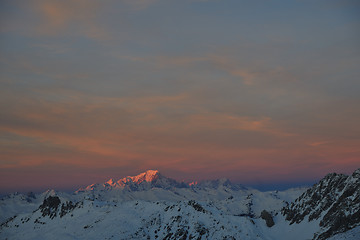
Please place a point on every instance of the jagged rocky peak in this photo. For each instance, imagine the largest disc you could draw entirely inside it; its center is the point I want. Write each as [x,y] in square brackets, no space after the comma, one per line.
[53,206]
[334,201]
[356,174]
[219,183]
[49,192]
[140,182]
[215,183]
[111,182]
[148,176]
[50,206]
[153,179]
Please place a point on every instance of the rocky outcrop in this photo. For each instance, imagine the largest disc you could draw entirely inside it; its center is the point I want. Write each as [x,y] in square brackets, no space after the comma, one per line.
[268,218]
[335,200]
[197,206]
[50,206]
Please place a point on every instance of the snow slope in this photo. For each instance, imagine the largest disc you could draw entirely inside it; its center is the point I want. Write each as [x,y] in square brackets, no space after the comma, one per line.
[151,206]
[334,202]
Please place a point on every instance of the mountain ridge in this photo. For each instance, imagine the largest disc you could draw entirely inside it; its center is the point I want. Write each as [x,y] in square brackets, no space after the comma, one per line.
[334,201]
[154,178]
[152,206]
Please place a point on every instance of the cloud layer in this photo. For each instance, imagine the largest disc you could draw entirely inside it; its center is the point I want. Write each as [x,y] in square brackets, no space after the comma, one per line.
[197,89]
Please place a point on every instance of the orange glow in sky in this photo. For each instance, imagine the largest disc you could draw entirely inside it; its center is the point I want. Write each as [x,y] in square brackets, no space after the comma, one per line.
[198,90]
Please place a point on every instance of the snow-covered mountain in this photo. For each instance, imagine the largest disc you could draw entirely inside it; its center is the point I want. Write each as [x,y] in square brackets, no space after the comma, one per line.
[152,206]
[334,201]
[150,185]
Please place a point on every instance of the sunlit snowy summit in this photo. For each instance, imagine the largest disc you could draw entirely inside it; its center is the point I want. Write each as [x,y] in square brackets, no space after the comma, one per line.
[148,176]
[152,206]
[144,181]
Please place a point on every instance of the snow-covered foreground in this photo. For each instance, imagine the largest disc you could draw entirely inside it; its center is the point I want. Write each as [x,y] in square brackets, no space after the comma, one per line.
[149,220]
[150,206]
[353,234]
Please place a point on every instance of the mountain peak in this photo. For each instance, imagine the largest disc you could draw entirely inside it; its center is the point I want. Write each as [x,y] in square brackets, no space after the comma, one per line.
[335,200]
[111,182]
[356,173]
[148,176]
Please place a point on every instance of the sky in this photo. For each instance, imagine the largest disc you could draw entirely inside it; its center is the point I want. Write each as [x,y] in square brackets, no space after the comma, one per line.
[261,92]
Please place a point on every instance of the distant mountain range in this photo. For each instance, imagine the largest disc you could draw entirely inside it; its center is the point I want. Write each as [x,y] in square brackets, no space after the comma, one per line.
[152,206]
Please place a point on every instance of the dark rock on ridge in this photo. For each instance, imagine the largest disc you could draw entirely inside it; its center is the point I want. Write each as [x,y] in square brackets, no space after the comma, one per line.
[50,206]
[268,218]
[335,200]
